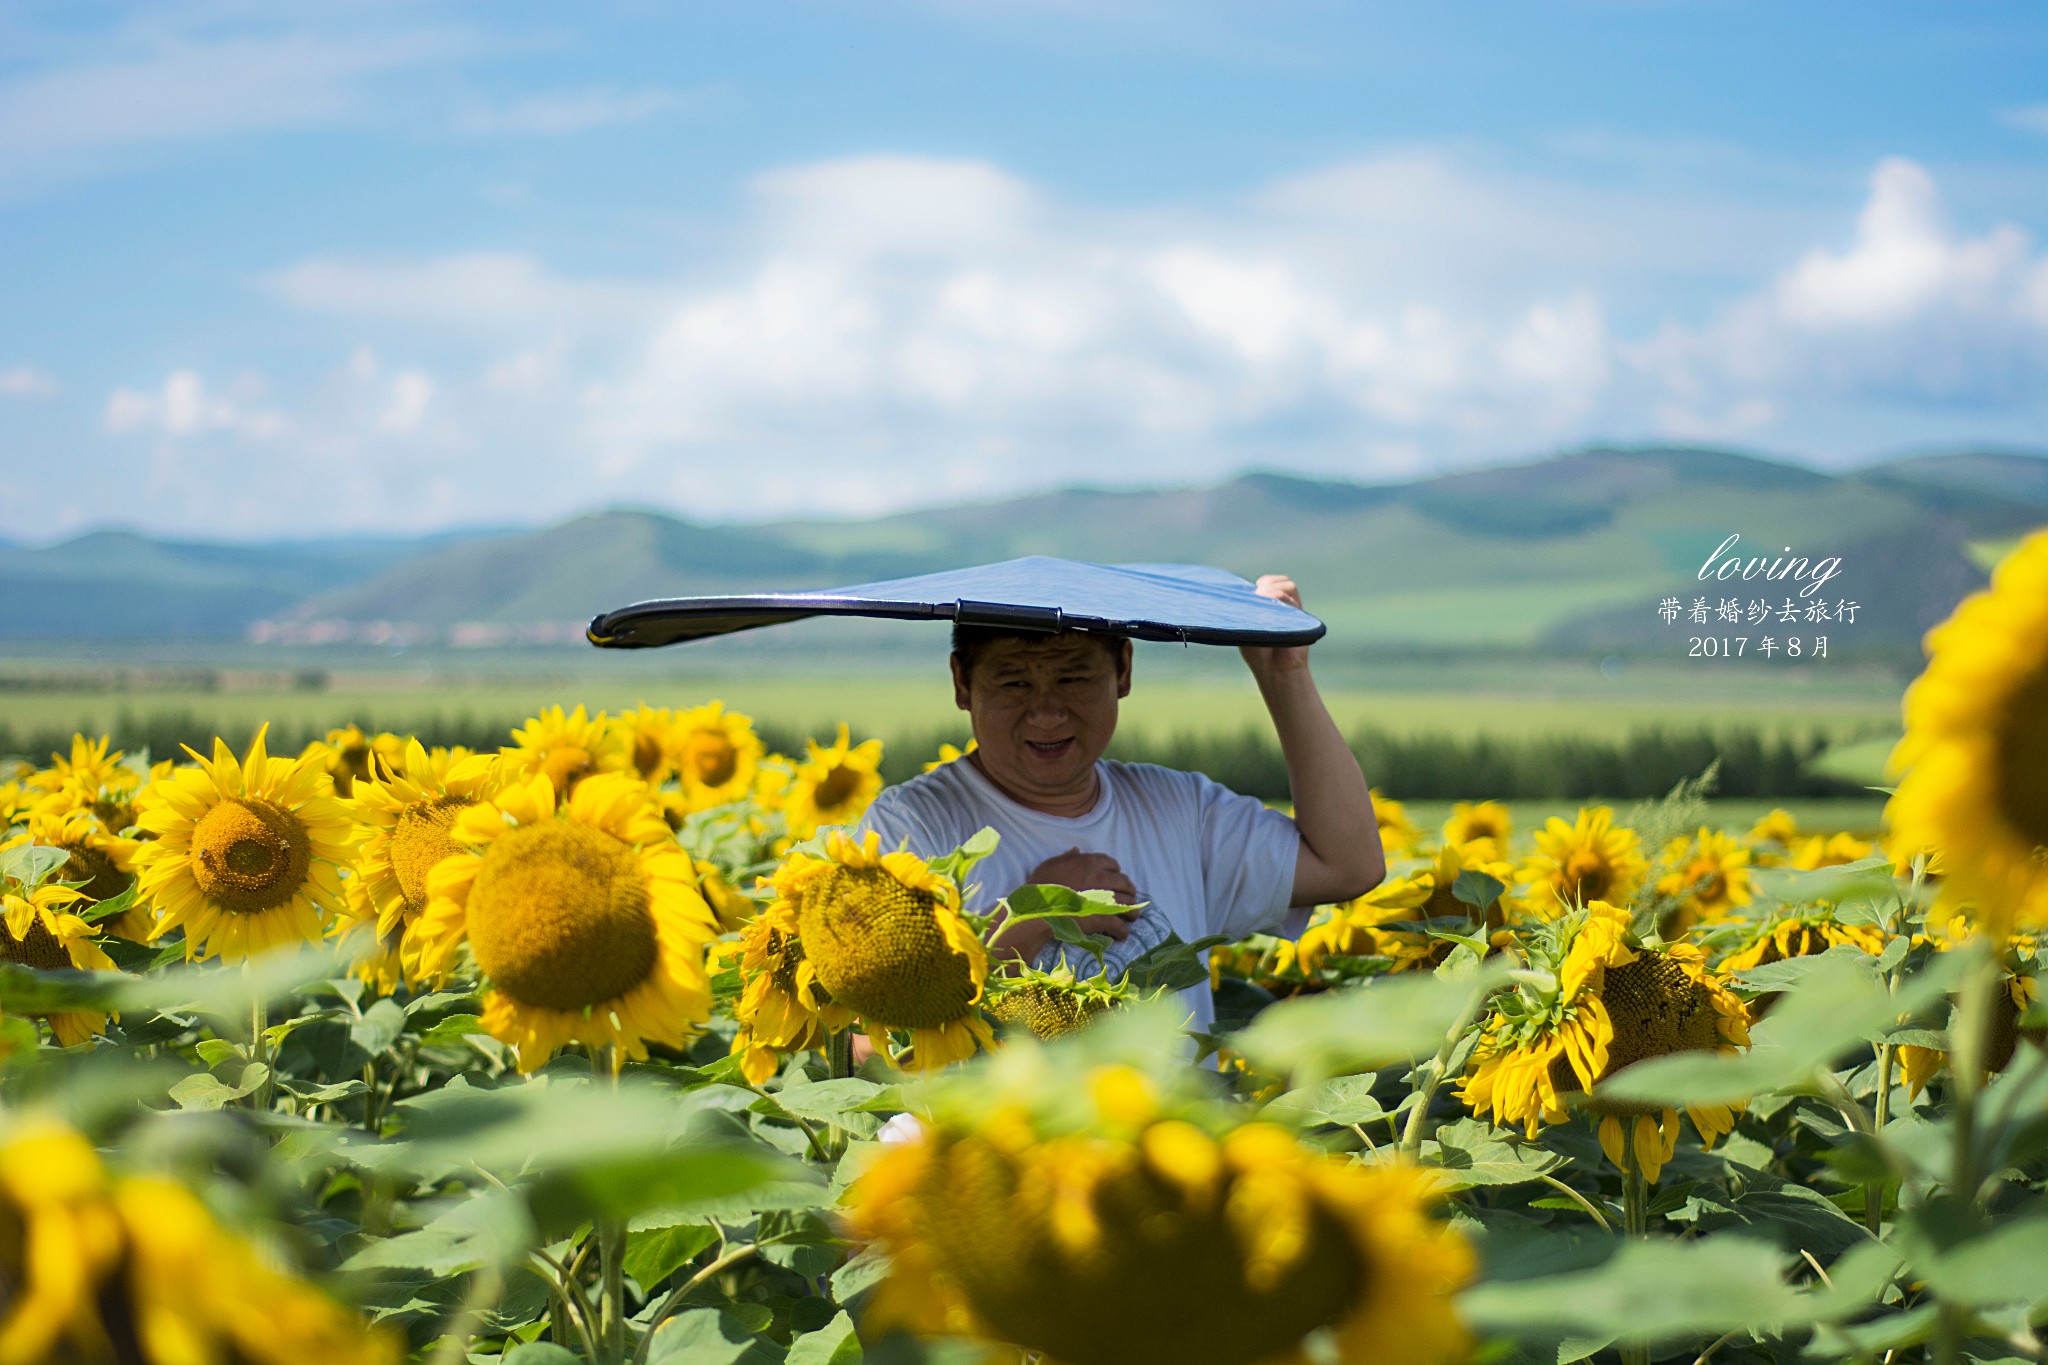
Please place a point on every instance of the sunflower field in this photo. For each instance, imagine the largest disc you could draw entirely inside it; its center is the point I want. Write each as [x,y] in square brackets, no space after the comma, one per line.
[615,1044]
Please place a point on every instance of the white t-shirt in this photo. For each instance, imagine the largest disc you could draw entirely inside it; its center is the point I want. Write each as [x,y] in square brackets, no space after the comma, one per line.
[1205,860]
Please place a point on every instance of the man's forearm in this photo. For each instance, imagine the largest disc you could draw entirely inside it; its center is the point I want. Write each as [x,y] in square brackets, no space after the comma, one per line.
[1332,808]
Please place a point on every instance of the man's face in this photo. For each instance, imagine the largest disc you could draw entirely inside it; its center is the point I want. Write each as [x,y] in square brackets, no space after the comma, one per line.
[1044,711]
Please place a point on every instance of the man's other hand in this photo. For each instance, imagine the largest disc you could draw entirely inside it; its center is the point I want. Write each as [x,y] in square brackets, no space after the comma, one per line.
[1077,871]
[1262,659]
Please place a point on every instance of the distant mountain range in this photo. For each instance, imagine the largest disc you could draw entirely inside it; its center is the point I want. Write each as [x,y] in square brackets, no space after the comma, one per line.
[1571,553]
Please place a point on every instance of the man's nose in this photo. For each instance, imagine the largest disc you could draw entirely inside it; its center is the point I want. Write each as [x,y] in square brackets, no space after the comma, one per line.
[1046,705]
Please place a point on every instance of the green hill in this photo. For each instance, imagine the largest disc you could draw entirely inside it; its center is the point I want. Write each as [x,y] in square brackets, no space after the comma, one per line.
[1568,554]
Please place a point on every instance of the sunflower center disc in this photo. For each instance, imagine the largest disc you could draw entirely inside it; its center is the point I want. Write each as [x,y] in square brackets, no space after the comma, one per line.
[38,948]
[1585,876]
[877,947]
[559,916]
[418,841]
[102,879]
[566,766]
[2021,776]
[1182,1287]
[250,855]
[839,784]
[712,759]
[647,756]
[1656,1009]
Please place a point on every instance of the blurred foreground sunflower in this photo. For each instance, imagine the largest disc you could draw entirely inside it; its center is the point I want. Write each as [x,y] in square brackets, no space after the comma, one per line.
[1614,1001]
[1008,1220]
[884,936]
[247,854]
[582,914]
[105,1271]
[1974,757]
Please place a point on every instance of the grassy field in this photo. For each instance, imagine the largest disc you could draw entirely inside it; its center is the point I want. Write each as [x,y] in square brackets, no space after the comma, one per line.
[1159,705]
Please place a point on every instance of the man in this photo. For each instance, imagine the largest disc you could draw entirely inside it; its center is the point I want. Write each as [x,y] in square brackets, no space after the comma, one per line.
[1191,856]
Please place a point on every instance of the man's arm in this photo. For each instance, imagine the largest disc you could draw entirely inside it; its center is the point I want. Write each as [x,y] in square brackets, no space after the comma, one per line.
[1340,855]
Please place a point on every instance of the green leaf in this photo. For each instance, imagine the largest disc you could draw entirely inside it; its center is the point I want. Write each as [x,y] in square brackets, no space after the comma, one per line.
[832,1344]
[214,1051]
[452,1031]
[1474,1152]
[1478,889]
[2008,1263]
[204,1091]
[379,1027]
[541,1353]
[711,1336]
[847,1102]
[1364,1027]
[485,1229]
[31,864]
[1172,965]
[24,990]
[867,1269]
[1071,934]
[1650,1291]
[654,1255]
[321,1094]
[1343,1101]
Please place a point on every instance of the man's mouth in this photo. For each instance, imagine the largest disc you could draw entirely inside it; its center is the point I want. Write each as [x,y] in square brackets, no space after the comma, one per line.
[1049,748]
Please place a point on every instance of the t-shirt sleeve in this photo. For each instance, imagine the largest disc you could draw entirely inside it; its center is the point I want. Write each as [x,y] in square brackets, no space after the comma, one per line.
[896,820]
[1248,858]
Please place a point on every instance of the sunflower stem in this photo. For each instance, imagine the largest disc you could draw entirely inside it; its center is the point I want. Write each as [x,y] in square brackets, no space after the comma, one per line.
[1592,1209]
[485,1285]
[1635,1214]
[1433,1076]
[259,1023]
[1965,1063]
[611,1243]
[839,1054]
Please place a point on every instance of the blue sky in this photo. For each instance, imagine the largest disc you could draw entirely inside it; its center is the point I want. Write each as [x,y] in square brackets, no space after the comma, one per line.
[379,266]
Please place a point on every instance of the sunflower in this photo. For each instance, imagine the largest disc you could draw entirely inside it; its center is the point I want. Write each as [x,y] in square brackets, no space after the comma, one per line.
[1053,1004]
[948,754]
[1772,836]
[885,937]
[1266,962]
[582,914]
[1483,829]
[1833,850]
[1802,934]
[1227,1245]
[408,810]
[716,755]
[2019,964]
[351,755]
[101,1270]
[246,854]
[90,772]
[568,748]
[101,866]
[733,908]
[1708,880]
[1614,1001]
[1582,862]
[647,736]
[834,786]
[38,930]
[1398,833]
[1355,929]
[1975,752]
[782,1008]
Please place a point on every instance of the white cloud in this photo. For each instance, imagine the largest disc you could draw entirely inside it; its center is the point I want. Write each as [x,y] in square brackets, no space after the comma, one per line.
[887,331]
[568,111]
[411,392]
[174,85]
[478,290]
[28,381]
[183,406]
[1911,310]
